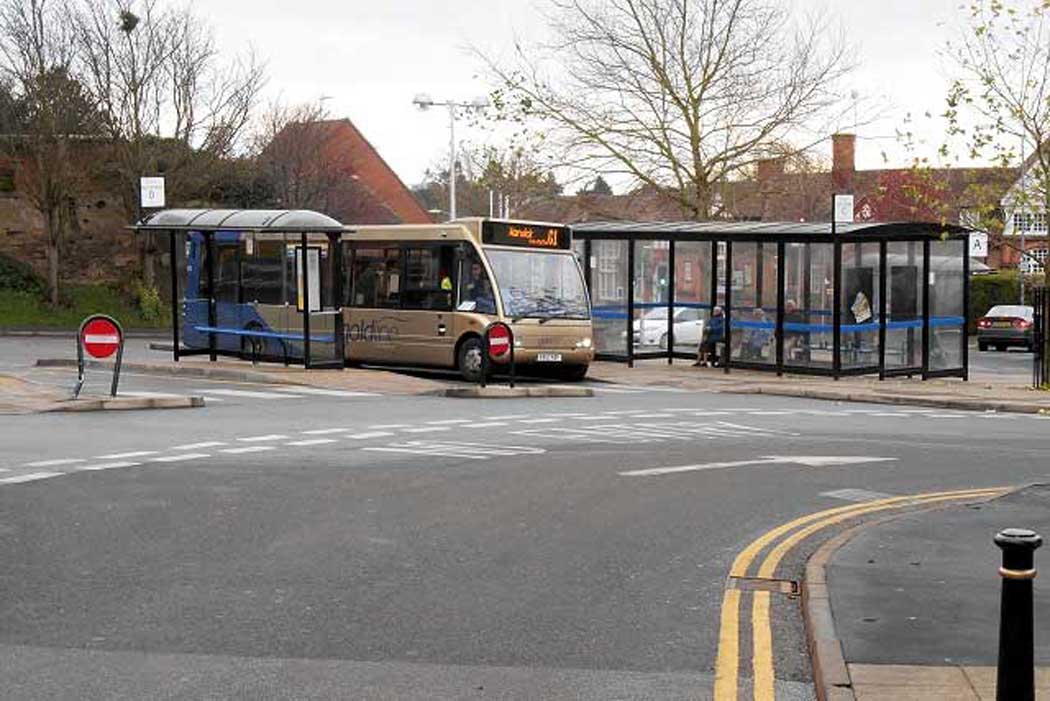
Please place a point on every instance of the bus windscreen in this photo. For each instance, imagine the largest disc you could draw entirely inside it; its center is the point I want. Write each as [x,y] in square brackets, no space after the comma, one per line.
[539,284]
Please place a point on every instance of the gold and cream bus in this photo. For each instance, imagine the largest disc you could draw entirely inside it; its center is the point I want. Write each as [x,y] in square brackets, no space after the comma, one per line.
[423,294]
[417,295]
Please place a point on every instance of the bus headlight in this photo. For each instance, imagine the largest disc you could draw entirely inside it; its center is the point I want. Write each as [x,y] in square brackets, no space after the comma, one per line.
[585,343]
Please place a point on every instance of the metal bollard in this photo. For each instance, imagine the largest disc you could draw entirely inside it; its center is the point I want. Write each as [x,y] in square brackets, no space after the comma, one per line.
[1015,679]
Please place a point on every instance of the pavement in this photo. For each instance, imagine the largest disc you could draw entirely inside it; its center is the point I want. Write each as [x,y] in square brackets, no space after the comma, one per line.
[915,600]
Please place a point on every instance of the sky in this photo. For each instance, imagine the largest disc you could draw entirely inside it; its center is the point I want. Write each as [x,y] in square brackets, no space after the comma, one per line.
[367,59]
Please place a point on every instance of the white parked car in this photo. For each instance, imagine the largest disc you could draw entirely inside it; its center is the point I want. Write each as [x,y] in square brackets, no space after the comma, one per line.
[650,329]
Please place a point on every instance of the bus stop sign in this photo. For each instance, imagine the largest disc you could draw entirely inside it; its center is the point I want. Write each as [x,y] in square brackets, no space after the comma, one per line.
[100,336]
[499,340]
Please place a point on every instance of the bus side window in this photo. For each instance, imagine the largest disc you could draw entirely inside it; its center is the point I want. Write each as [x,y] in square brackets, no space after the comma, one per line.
[377,278]
[475,289]
[262,273]
[430,274]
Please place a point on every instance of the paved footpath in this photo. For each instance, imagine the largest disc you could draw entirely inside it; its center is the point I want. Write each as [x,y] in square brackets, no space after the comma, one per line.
[916,600]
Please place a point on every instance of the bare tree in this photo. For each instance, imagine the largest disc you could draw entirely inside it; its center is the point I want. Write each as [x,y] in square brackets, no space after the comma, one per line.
[168,101]
[676,94]
[56,118]
[999,101]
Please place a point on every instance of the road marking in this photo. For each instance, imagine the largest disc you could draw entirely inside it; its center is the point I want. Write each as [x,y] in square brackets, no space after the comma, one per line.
[313,441]
[194,446]
[423,451]
[652,416]
[120,456]
[426,429]
[508,417]
[247,449]
[537,421]
[325,431]
[317,391]
[806,460]
[449,421]
[268,437]
[768,413]
[109,466]
[727,661]
[369,434]
[468,451]
[180,457]
[489,424]
[55,463]
[382,426]
[30,477]
[855,495]
[241,393]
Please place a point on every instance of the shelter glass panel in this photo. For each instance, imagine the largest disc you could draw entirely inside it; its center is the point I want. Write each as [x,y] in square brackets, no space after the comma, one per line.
[753,280]
[649,326]
[860,305]
[946,281]
[609,280]
[904,276]
[692,293]
[808,305]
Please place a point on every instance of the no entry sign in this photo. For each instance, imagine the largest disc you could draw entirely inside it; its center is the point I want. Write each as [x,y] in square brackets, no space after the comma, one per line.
[499,340]
[101,337]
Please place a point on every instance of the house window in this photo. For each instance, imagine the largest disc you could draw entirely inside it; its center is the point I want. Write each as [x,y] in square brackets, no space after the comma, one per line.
[1034,261]
[1030,221]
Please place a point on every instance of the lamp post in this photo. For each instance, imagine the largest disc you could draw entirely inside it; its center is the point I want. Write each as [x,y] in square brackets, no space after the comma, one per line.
[425,102]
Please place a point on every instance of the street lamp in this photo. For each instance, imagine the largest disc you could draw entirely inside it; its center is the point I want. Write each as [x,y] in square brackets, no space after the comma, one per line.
[425,102]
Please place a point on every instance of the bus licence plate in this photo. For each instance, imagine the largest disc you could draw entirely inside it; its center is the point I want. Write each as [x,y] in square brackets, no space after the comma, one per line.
[548,357]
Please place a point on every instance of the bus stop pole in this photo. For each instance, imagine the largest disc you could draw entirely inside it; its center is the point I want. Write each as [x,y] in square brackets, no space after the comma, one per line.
[174,265]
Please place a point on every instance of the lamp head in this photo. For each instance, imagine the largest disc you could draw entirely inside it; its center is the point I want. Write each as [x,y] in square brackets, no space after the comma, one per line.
[423,101]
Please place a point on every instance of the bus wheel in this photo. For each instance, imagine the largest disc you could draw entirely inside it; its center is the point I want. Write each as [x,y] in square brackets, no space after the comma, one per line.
[469,359]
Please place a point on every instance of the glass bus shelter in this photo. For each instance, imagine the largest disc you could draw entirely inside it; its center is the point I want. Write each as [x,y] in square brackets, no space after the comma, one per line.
[887,299]
[260,284]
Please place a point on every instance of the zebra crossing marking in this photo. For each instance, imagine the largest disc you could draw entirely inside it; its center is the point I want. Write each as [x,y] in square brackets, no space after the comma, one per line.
[31,477]
[466,451]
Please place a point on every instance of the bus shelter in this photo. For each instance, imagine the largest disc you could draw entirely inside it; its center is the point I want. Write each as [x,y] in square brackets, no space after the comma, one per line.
[260,284]
[888,299]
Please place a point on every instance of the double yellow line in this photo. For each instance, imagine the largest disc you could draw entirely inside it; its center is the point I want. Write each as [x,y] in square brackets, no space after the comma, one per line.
[727,664]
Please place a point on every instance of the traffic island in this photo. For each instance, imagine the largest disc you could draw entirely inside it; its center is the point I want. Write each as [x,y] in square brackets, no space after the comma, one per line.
[513,392]
[19,396]
[126,403]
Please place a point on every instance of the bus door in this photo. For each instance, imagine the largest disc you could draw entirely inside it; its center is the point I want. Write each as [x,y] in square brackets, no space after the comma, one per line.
[426,336]
[373,317]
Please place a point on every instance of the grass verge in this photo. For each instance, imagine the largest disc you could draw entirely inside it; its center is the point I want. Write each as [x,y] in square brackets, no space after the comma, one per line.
[27,310]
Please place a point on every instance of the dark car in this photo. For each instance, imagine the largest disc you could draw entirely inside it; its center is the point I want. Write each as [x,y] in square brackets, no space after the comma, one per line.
[1006,325]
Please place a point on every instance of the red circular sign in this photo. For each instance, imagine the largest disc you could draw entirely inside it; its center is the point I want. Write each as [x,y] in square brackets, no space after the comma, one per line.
[101,337]
[499,340]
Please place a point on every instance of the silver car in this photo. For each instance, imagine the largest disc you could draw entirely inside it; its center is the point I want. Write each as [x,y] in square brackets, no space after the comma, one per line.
[1006,325]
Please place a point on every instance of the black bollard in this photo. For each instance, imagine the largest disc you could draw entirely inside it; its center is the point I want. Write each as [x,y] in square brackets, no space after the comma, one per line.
[1016,675]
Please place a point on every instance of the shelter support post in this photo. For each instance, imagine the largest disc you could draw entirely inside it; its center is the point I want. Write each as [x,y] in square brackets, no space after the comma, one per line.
[882,309]
[966,313]
[630,304]
[335,259]
[304,271]
[174,265]
[836,313]
[209,243]
[781,272]
[727,335]
[925,282]
[670,301]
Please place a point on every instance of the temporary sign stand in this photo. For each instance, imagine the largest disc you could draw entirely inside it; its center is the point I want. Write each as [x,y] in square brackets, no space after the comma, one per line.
[498,344]
[101,336]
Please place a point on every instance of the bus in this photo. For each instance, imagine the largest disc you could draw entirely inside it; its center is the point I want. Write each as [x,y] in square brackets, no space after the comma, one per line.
[411,295]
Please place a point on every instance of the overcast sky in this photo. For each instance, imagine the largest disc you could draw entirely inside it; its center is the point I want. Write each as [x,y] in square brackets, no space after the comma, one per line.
[370,57]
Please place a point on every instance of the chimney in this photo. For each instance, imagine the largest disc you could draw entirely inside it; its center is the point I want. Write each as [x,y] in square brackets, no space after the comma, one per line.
[842,162]
[769,168]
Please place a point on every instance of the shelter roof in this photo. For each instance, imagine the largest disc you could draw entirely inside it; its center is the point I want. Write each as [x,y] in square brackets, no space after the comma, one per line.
[759,229]
[258,220]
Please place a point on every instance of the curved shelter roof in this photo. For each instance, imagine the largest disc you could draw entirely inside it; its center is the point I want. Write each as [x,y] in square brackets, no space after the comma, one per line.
[257,220]
[760,229]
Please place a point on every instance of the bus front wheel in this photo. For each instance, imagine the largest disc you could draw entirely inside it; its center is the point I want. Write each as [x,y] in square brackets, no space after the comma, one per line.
[469,359]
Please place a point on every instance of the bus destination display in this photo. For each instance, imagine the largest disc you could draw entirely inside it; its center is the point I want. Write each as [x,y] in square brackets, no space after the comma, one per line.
[525,235]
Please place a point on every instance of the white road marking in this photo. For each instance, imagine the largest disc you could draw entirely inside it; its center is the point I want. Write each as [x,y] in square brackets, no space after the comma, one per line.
[194,446]
[806,460]
[268,437]
[449,421]
[467,451]
[247,449]
[426,429]
[241,393]
[120,456]
[54,463]
[369,434]
[180,457]
[382,426]
[109,465]
[768,413]
[323,392]
[313,441]
[652,416]
[855,495]
[537,421]
[325,431]
[30,477]
[489,424]
[509,417]
[422,451]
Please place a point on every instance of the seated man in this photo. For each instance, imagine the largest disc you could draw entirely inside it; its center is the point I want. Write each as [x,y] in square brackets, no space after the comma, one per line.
[756,337]
[714,334]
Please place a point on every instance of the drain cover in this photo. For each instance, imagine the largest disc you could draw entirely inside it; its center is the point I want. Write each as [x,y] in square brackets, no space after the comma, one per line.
[784,586]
